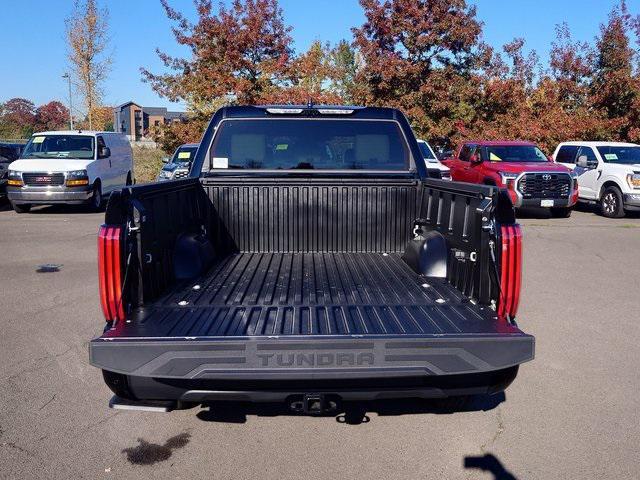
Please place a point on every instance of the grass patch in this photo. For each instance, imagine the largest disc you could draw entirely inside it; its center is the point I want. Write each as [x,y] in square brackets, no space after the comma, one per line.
[147,163]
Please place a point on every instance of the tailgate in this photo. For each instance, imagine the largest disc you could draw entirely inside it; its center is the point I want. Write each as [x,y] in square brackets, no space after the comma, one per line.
[311,357]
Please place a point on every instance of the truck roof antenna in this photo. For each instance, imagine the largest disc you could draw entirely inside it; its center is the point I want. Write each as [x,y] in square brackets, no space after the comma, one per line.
[310,103]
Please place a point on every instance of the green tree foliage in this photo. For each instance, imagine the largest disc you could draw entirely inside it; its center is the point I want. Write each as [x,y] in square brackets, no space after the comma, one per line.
[345,63]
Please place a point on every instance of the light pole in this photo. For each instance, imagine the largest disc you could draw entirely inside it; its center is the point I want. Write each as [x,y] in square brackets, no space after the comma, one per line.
[68,77]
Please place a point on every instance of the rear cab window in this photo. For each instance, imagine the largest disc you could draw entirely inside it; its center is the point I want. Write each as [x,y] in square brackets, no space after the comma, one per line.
[309,144]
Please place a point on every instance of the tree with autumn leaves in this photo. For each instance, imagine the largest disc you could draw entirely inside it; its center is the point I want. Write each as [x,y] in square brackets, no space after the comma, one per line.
[19,117]
[426,57]
[242,54]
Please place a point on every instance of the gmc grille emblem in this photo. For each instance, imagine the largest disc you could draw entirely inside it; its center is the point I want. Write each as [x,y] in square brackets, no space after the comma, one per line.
[43,179]
[546,177]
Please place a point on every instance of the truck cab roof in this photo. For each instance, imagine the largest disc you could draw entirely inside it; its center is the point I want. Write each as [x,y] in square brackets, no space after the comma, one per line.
[261,111]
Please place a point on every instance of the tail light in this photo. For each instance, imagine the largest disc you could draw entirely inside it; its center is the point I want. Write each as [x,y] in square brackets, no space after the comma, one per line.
[109,272]
[510,270]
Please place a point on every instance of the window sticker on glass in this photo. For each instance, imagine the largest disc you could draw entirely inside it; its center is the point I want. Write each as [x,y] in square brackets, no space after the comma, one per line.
[184,155]
[220,162]
[282,146]
[38,139]
[494,158]
[610,156]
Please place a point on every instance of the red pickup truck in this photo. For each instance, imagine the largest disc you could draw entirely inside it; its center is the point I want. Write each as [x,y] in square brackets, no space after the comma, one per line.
[532,179]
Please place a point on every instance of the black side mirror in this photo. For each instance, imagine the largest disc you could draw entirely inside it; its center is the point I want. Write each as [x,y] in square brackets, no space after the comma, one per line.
[105,152]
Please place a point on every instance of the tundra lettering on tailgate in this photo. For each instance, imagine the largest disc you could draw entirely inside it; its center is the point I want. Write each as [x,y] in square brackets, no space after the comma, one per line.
[345,359]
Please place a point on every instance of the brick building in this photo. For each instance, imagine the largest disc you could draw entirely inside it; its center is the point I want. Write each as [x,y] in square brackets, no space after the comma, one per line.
[138,122]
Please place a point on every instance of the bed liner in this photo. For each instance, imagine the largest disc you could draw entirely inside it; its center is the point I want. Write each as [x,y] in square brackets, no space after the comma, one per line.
[310,315]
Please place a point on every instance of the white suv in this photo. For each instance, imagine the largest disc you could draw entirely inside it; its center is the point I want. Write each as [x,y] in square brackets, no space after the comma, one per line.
[608,174]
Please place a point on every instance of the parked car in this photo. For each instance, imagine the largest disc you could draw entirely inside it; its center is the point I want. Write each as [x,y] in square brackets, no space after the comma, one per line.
[178,166]
[434,167]
[313,261]
[8,153]
[70,167]
[532,179]
[609,174]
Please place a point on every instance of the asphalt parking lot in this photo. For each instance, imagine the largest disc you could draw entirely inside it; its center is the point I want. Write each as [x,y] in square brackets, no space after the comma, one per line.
[571,413]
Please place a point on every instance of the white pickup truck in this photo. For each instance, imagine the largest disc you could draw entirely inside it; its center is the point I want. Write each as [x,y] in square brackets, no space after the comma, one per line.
[435,168]
[608,174]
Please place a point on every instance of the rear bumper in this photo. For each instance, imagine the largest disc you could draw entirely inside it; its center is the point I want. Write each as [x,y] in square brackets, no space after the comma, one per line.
[144,389]
[315,358]
[49,195]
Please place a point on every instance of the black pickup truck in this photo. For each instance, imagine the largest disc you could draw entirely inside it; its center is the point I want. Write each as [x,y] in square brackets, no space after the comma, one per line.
[308,258]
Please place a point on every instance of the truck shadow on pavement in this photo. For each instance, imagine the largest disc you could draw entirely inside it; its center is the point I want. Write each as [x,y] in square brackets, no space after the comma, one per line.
[350,413]
[61,209]
[489,463]
[532,212]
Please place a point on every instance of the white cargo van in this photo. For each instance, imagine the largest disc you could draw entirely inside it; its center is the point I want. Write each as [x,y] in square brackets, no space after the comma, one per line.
[72,167]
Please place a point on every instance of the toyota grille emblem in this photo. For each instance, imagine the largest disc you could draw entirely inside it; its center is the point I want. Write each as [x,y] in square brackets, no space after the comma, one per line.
[546,177]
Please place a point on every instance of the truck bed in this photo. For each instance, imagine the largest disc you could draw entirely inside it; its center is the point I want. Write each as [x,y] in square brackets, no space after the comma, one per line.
[273,315]
[266,294]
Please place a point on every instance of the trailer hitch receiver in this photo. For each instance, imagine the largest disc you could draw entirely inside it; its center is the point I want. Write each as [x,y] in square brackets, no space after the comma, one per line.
[315,404]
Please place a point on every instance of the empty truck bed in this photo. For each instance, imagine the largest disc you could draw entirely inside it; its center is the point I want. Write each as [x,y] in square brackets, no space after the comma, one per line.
[256,313]
[267,294]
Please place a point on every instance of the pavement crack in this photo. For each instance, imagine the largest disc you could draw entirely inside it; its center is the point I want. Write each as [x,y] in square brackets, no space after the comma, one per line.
[101,421]
[50,400]
[15,446]
[34,368]
[499,431]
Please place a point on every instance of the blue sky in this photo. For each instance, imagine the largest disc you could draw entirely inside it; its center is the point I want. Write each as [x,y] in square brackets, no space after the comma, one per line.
[33,50]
